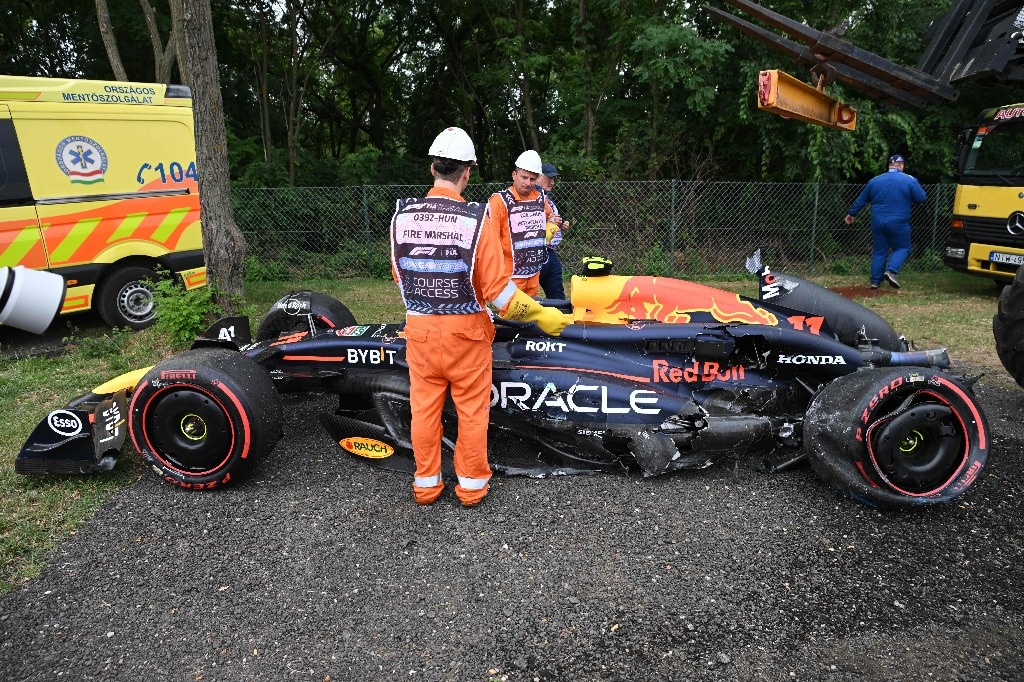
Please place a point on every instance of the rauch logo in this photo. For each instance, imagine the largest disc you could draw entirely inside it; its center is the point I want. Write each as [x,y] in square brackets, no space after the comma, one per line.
[367,447]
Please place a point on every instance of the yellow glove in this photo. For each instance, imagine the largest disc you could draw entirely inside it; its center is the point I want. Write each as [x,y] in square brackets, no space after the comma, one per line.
[550,230]
[522,308]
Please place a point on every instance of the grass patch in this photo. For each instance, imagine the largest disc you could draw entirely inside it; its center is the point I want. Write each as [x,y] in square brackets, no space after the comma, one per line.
[933,309]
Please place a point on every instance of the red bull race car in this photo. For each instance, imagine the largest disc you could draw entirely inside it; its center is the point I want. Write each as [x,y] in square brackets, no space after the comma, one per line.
[654,376]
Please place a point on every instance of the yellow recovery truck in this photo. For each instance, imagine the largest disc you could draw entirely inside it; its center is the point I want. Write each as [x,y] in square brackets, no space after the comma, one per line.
[987,236]
[98,183]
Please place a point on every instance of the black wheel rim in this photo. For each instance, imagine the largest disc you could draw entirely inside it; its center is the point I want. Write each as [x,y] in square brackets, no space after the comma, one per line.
[189,430]
[919,449]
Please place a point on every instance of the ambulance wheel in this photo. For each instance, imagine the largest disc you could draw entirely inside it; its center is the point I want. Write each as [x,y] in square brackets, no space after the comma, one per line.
[204,418]
[1008,328]
[125,297]
[290,312]
[897,437]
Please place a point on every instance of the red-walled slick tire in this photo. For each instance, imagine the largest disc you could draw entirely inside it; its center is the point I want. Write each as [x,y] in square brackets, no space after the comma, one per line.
[897,437]
[204,418]
[291,312]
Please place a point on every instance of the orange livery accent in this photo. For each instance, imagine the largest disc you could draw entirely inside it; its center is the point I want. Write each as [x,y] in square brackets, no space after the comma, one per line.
[615,298]
[82,236]
[75,303]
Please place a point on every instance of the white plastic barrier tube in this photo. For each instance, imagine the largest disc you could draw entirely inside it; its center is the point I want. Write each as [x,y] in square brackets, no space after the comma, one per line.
[30,299]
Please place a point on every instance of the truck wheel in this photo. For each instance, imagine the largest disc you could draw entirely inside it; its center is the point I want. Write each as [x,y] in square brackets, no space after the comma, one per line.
[1008,328]
[897,437]
[204,418]
[125,297]
[290,311]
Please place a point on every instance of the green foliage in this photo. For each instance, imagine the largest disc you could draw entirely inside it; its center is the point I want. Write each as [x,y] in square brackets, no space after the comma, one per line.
[109,344]
[606,90]
[379,265]
[263,270]
[183,315]
[655,262]
[848,265]
[926,260]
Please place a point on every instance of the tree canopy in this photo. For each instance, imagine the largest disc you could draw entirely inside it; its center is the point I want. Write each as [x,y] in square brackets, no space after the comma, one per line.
[339,92]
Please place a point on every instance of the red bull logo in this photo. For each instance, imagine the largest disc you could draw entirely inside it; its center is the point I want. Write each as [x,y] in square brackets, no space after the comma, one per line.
[674,301]
[703,372]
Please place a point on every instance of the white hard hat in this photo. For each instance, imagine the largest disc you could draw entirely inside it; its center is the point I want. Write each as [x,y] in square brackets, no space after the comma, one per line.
[529,161]
[453,143]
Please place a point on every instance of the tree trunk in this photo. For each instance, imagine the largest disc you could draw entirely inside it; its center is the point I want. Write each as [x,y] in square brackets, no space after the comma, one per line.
[262,77]
[179,40]
[222,241]
[109,42]
[588,77]
[527,100]
[292,82]
[163,57]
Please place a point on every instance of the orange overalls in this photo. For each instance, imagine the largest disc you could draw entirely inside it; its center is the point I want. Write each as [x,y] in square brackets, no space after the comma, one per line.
[453,351]
[524,268]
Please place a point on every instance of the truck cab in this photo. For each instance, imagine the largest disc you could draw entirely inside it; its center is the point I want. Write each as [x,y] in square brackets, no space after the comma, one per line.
[987,235]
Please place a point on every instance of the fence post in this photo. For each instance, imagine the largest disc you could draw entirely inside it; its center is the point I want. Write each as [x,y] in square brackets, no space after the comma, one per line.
[672,234]
[366,225]
[935,224]
[814,229]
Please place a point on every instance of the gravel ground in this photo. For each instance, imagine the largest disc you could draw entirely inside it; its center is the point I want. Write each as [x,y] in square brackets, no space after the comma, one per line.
[323,568]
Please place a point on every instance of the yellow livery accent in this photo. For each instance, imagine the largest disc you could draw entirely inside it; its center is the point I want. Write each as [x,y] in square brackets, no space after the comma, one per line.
[127,381]
[194,278]
[77,299]
[127,227]
[75,238]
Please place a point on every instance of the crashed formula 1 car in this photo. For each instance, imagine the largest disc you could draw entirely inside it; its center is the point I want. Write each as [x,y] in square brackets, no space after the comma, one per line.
[655,375]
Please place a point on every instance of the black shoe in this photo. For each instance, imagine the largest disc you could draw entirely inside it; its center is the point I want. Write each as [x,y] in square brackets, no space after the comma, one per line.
[874,286]
[891,279]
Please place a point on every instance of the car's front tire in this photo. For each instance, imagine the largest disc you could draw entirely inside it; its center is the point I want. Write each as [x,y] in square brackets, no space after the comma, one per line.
[204,418]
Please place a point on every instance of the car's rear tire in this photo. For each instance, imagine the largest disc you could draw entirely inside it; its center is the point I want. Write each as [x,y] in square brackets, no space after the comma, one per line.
[897,437]
[1008,328]
[124,298]
[290,311]
[204,418]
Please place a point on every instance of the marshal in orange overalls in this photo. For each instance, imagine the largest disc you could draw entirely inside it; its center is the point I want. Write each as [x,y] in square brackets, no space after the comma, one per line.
[524,251]
[453,351]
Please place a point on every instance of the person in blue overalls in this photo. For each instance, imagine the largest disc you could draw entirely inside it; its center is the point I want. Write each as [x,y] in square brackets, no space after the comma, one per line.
[891,195]
[551,272]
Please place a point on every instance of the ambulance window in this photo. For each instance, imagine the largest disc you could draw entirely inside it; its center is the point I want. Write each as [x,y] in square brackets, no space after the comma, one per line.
[14,189]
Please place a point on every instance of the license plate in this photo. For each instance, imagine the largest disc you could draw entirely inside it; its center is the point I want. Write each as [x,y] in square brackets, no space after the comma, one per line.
[1008,258]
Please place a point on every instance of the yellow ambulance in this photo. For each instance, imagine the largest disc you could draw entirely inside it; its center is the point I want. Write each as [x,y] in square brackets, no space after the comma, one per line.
[98,183]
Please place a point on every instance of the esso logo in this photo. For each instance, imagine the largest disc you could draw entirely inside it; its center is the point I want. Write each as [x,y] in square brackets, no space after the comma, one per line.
[65,423]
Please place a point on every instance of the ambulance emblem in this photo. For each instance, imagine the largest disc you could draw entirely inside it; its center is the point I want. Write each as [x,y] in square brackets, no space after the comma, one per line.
[82,159]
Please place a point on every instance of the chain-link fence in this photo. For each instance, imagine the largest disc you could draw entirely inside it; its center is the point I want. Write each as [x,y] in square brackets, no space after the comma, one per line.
[670,227]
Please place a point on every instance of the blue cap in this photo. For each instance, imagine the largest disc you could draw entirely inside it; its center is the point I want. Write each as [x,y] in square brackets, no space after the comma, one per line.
[549,170]
[896,158]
